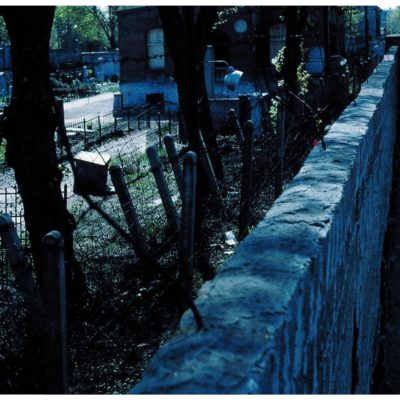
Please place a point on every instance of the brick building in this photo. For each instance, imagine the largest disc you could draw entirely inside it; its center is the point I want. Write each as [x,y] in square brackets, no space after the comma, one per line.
[247,38]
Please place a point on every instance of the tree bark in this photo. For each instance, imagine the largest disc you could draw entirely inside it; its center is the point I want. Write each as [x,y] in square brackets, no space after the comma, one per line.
[295,19]
[29,124]
[186,30]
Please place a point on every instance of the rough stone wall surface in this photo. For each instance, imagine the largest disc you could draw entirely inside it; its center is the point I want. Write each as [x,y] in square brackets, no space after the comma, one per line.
[296,309]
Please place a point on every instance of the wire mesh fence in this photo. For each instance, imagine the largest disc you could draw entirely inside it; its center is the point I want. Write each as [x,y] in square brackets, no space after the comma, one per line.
[125,302]
[128,149]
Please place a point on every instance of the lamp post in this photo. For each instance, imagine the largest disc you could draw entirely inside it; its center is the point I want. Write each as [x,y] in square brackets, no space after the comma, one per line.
[232,76]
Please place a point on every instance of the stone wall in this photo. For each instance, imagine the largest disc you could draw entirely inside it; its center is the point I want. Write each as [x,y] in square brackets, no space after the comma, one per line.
[296,309]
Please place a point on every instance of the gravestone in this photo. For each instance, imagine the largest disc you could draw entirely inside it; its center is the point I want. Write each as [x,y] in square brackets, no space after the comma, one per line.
[92,169]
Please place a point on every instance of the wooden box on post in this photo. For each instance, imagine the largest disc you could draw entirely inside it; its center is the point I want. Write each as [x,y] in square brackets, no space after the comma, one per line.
[92,169]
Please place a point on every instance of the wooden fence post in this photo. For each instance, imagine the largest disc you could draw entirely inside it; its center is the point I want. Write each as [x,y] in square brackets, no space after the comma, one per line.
[54,288]
[208,169]
[247,173]
[21,269]
[128,208]
[237,127]
[280,149]
[244,109]
[174,160]
[188,219]
[168,204]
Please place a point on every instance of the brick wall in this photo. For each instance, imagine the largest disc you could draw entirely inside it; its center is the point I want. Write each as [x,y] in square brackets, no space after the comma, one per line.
[133,27]
[296,309]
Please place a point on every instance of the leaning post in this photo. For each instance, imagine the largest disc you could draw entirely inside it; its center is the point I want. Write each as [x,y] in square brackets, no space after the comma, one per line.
[236,126]
[54,296]
[128,208]
[174,161]
[161,182]
[188,219]
[208,169]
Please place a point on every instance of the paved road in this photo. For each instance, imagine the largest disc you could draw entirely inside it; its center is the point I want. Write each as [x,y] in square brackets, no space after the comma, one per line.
[89,107]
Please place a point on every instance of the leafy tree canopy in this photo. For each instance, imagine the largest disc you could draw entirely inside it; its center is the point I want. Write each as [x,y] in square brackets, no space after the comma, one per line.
[3,30]
[86,28]
[353,15]
[393,21]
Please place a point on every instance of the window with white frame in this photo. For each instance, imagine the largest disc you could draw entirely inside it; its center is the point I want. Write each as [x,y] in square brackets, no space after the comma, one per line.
[277,37]
[155,48]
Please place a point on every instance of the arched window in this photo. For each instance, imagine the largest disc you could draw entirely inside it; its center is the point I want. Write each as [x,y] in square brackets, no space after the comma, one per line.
[155,48]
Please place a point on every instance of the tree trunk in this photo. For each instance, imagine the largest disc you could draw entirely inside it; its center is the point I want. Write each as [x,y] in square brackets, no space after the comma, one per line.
[295,19]
[186,30]
[28,126]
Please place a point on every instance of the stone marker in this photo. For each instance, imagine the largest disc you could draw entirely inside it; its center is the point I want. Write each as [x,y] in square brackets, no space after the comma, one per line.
[92,173]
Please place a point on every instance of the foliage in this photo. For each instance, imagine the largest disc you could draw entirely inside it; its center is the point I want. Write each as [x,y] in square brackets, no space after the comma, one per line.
[352,18]
[2,151]
[3,30]
[87,28]
[223,16]
[393,21]
[303,77]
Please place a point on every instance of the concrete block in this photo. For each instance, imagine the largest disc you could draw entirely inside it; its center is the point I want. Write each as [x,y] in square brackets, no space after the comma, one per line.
[92,170]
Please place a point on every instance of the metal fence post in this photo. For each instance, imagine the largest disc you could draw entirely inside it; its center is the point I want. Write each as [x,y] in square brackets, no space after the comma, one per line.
[280,149]
[169,122]
[54,293]
[115,124]
[237,127]
[21,268]
[168,204]
[85,139]
[174,160]
[128,208]
[129,119]
[99,124]
[188,219]
[247,172]
[159,129]
[148,118]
